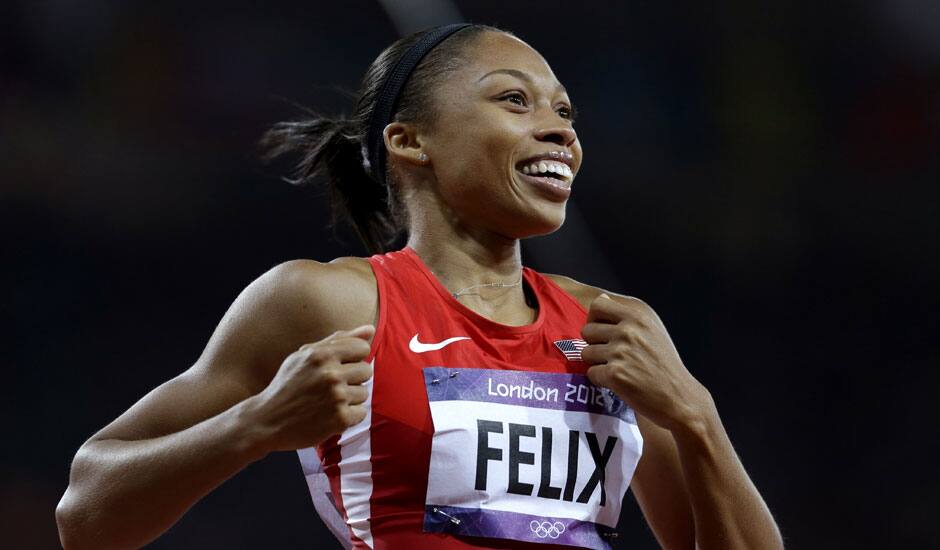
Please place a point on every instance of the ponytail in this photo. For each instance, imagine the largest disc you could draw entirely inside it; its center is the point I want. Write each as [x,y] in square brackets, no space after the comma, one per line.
[336,148]
[321,146]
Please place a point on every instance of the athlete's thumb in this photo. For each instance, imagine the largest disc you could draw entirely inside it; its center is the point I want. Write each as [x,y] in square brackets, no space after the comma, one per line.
[362,331]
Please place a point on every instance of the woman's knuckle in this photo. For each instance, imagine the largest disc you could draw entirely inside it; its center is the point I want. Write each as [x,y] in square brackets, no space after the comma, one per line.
[350,415]
[318,355]
[337,393]
[644,312]
[624,326]
[620,350]
[330,376]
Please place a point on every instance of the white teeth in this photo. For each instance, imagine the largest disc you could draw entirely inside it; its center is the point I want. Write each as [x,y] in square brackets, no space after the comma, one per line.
[560,169]
[551,167]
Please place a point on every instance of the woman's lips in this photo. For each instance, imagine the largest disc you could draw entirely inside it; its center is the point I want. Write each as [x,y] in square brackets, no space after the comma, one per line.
[552,187]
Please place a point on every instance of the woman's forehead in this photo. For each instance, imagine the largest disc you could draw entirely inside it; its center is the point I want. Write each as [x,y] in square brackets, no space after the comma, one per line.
[502,54]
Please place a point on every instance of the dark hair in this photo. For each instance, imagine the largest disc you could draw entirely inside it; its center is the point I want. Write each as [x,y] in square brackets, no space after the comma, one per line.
[333,147]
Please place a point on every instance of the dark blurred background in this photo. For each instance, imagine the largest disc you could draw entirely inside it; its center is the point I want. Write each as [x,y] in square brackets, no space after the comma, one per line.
[765,176]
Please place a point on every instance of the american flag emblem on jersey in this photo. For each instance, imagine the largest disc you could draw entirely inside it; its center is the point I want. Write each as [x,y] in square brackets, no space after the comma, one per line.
[571,348]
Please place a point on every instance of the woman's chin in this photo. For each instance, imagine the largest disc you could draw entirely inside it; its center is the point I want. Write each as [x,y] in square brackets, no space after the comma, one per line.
[543,221]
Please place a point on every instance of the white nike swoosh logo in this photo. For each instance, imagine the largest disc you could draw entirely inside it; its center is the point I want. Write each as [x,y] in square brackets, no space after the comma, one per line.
[417,347]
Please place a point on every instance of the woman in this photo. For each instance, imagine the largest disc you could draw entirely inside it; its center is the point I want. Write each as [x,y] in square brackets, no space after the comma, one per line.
[446,388]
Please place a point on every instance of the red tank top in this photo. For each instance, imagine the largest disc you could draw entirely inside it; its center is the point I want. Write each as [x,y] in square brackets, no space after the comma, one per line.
[378,469]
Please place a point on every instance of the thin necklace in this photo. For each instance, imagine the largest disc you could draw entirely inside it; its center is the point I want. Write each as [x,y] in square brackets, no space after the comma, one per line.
[463,291]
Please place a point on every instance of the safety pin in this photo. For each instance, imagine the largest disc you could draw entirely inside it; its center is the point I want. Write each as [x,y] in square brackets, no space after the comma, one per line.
[452,519]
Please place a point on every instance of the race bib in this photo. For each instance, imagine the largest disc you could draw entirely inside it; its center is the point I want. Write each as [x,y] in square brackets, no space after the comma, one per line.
[528,456]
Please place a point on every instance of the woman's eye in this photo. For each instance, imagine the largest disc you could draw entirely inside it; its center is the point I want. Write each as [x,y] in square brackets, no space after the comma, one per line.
[516,98]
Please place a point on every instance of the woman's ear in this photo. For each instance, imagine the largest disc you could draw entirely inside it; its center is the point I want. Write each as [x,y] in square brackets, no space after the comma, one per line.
[403,143]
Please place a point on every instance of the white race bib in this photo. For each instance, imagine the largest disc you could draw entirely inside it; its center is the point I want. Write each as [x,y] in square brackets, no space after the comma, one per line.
[529,456]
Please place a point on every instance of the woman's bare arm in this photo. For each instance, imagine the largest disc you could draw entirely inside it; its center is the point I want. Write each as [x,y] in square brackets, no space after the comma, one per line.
[135,478]
[728,509]
[630,352]
[659,487]
[690,483]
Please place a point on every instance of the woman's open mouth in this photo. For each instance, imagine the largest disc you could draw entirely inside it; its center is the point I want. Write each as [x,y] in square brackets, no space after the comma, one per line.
[552,177]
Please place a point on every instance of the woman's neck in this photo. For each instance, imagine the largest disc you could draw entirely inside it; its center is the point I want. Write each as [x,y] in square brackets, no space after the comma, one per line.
[467,258]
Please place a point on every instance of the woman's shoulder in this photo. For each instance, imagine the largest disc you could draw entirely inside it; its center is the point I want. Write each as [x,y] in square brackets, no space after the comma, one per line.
[585,293]
[334,295]
[294,303]
[582,293]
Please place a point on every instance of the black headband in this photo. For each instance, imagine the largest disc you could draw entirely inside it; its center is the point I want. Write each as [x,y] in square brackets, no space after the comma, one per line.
[391,89]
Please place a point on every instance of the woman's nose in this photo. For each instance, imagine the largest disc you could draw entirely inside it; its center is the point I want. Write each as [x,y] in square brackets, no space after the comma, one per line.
[560,135]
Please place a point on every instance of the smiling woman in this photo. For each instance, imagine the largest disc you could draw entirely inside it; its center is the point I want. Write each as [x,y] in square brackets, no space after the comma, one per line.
[442,395]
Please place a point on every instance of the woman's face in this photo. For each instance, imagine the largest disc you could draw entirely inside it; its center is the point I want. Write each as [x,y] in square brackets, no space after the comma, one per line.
[501,116]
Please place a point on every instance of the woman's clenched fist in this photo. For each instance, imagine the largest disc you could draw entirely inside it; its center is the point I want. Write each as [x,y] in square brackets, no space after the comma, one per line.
[632,354]
[318,391]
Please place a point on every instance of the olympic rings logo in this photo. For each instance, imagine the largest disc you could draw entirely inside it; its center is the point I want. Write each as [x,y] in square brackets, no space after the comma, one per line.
[547,529]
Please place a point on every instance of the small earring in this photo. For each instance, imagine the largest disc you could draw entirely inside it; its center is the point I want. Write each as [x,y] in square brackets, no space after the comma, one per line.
[423,157]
